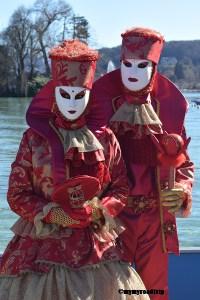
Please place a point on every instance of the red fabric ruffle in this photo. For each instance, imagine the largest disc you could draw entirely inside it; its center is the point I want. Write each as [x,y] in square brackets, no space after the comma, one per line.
[138,131]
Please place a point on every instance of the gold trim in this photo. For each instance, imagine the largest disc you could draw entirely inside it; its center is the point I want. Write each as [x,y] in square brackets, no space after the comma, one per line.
[159,192]
[113,102]
[56,131]
[161,210]
[62,141]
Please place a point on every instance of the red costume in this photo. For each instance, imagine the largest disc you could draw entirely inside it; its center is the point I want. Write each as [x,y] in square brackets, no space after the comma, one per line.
[139,131]
[45,260]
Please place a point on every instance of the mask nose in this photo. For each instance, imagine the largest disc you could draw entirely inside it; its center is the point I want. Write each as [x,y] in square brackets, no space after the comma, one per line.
[134,69]
[72,103]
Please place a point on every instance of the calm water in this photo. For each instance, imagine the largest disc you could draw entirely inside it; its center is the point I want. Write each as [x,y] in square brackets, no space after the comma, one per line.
[12,125]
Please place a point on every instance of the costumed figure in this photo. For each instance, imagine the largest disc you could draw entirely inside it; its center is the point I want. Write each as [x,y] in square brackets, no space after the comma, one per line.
[67,184]
[146,112]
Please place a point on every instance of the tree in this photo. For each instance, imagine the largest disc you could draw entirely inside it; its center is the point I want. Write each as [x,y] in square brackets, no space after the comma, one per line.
[80,28]
[47,13]
[16,38]
[33,55]
[6,76]
[24,63]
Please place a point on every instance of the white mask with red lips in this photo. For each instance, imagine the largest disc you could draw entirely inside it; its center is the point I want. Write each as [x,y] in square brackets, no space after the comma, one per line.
[71,101]
[136,73]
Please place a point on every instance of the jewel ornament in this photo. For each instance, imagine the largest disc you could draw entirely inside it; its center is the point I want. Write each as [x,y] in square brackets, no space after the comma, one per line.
[71,101]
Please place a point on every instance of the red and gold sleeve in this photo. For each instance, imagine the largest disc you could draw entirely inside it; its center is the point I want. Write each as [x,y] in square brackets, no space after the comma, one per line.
[21,196]
[115,199]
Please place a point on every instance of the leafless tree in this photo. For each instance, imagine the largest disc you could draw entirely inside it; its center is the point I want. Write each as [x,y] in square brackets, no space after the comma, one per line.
[16,38]
[33,55]
[47,13]
[24,44]
[5,71]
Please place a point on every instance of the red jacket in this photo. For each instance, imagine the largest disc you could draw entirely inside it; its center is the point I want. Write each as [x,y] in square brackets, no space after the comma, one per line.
[40,163]
[146,176]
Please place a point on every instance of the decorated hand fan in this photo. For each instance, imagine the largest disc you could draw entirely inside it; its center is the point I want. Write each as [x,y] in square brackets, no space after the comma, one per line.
[72,195]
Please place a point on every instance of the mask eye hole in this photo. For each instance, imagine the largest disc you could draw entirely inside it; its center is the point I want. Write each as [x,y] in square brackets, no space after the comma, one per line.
[143,65]
[64,94]
[80,95]
[127,64]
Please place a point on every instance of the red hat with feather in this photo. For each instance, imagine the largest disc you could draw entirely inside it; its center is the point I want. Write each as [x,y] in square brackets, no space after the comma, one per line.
[73,64]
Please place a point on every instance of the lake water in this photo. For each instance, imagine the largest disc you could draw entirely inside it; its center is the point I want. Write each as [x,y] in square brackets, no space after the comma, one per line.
[12,125]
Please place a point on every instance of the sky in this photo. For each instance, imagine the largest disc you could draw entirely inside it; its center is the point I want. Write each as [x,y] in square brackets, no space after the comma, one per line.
[175,19]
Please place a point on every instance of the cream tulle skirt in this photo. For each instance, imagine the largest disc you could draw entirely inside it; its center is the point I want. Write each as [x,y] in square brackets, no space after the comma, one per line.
[100,282]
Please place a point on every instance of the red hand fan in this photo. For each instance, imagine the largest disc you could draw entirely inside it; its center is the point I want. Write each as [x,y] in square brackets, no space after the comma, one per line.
[72,195]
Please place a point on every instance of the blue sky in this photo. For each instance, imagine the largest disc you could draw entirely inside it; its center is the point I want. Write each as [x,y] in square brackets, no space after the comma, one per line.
[176,19]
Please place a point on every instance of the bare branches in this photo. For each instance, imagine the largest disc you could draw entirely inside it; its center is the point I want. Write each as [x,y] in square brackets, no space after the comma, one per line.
[29,36]
[16,37]
[46,13]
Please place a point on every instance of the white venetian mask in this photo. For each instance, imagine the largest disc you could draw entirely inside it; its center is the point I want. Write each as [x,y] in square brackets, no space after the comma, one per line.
[71,101]
[136,73]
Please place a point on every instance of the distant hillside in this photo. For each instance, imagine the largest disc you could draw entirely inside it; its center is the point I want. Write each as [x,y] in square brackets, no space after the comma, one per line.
[180,62]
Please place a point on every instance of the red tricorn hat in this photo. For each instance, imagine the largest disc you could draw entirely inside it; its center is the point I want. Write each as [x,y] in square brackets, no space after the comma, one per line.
[72,195]
[142,43]
[73,64]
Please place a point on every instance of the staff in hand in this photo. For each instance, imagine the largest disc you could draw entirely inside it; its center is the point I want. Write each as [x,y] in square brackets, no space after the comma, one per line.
[173,156]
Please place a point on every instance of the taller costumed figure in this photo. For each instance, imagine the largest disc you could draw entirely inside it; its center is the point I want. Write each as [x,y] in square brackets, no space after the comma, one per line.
[146,112]
[68,184]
